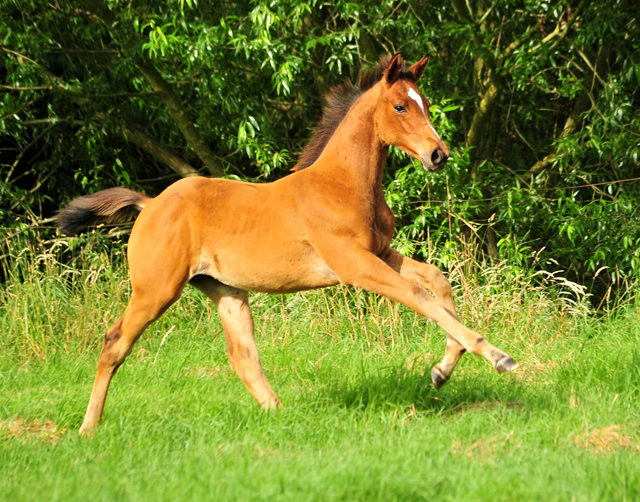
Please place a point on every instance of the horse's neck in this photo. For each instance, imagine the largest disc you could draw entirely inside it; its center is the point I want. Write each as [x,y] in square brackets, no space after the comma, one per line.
[355,154]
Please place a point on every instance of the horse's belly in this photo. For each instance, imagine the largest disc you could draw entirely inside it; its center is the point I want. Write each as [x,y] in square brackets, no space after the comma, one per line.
[267,271]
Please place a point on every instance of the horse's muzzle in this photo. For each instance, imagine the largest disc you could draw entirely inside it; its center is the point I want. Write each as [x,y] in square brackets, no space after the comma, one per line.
[434,161]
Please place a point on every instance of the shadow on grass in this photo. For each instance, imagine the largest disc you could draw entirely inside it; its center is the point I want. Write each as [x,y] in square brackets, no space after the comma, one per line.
[393,388]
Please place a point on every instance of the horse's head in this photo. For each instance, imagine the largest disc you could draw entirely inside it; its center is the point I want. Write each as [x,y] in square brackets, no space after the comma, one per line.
[402,116]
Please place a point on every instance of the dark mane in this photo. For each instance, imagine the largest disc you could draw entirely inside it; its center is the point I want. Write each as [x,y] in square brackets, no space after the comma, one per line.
[339,100]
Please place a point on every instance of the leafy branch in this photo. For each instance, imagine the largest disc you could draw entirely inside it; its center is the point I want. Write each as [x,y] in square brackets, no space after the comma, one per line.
[165,91]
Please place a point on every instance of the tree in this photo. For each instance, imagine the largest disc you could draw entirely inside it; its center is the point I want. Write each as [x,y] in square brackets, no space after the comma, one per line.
[531,96]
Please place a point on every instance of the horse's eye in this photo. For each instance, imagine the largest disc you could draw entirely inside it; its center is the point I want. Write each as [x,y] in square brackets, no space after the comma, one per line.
[399,108]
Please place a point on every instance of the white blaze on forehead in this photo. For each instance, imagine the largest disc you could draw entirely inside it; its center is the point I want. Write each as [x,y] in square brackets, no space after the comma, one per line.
[417,98]
[434,130]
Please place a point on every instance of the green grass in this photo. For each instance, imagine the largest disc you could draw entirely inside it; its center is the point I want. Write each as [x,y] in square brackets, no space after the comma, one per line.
[361,421]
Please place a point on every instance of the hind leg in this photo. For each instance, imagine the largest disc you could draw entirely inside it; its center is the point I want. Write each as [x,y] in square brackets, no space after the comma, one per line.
[142,310]
[235,314]
[432,278]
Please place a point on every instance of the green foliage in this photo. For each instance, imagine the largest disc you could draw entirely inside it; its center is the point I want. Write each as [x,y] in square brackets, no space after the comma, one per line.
[250,75]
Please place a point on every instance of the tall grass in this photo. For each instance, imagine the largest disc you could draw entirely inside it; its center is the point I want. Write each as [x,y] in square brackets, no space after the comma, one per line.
[361,420]
[65,293]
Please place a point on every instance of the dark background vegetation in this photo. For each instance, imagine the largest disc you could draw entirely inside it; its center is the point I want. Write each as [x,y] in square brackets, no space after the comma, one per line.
[538,101]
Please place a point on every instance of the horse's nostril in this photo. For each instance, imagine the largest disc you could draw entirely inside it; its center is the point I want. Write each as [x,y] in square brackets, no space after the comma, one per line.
[437,156]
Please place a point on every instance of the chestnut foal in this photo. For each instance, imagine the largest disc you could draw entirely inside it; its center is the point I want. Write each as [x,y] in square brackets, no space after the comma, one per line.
[327,223]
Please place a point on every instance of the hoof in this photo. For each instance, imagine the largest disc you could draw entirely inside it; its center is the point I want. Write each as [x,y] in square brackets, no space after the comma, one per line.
[272,405]
[86,431]
[506,364]
[438,378]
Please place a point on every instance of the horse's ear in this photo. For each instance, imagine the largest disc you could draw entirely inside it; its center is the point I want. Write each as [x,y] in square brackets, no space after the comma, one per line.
[418,68]
[394,69]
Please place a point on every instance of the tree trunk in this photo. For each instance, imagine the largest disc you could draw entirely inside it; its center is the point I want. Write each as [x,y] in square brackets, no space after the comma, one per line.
[176,109]
[181,117]
[159,151]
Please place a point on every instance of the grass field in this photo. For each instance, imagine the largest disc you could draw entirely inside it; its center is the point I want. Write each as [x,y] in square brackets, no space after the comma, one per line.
[361,420]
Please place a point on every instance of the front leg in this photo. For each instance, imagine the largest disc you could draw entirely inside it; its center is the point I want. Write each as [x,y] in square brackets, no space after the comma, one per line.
[431,278]
[360,268]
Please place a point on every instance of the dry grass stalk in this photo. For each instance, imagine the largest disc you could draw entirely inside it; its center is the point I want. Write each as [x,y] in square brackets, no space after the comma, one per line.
[46,431]
[605,440]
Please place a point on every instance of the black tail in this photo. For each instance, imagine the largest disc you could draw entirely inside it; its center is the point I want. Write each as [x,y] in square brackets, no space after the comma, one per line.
[114,205]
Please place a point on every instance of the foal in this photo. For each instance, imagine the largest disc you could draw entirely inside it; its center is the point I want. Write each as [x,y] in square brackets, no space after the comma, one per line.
[327,223]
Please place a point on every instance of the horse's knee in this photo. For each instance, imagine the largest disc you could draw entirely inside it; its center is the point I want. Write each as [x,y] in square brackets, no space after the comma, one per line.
[437,282]
[239,352]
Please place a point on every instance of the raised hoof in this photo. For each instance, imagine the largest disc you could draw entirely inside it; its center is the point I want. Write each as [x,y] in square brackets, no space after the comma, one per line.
[438,378]
[506,364]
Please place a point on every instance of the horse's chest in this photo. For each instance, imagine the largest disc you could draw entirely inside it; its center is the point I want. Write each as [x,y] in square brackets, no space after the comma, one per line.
[381,231]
